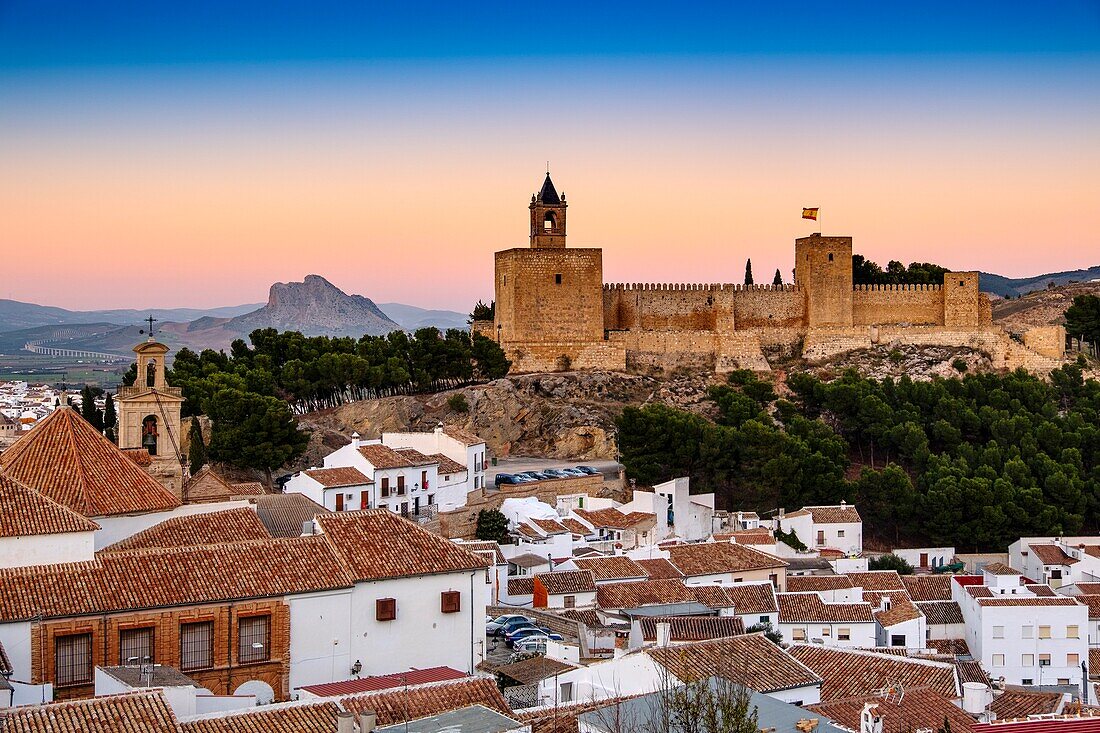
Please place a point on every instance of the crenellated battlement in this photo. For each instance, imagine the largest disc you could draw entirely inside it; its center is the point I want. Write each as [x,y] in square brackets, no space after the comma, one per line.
[896,287]
[702,287]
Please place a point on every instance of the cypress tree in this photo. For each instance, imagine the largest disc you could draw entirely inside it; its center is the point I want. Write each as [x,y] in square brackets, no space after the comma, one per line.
[778,279]
[196,451]
[748,272]
[110,417]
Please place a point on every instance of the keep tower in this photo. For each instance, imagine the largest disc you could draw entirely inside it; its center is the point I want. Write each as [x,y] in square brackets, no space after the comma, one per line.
[548,217]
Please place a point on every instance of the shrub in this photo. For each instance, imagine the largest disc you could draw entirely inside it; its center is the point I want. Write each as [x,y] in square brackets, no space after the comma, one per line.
[896,356]
[458,403]
[890,562]
[959,365]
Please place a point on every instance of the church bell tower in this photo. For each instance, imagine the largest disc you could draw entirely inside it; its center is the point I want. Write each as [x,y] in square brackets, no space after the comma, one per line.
[548,217]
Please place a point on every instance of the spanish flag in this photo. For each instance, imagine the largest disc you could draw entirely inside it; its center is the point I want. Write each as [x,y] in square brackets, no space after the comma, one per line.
[810,213]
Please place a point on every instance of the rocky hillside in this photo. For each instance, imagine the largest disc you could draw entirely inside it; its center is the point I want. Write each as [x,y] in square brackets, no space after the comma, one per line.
[1040,308]
[1016,286]
[315,307]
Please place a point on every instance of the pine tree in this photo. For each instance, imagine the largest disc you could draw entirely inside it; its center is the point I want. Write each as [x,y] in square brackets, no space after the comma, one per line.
[196,451]
[748,272]
[778,279]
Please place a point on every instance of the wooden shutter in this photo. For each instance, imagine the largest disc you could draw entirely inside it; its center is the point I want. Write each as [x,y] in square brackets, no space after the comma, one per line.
[450,601]
[385,609]
[340,502]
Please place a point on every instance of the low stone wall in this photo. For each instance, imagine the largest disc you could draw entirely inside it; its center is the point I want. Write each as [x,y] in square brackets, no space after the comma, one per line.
[1047,340]
[537,356]
[462,523]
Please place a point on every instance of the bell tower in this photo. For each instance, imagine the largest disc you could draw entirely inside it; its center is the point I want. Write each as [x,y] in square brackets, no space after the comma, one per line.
[548,217]
[149,417]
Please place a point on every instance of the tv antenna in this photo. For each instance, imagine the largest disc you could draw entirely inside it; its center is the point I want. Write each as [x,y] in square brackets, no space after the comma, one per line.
[151,321]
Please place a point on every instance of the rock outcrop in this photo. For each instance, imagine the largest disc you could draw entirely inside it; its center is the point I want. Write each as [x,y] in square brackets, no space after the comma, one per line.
[315,307]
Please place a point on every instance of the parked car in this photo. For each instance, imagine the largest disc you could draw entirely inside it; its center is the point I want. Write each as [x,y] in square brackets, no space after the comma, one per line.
[505,478]
[494,626]
[588,470]
[534,644]
[521,634]
[522,629]
[535,475]
[512,624]
[555,472]
[574,473]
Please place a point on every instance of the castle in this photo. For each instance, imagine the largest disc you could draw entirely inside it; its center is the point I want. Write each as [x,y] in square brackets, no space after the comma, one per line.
[554,312]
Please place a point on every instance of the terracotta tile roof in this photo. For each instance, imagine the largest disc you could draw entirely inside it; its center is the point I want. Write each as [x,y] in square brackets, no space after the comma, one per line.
[528,560]
[1089,589]
[586,616]
[415,457]
[917,709]
[796,513]
[447,465]
[1020,704]
[613,518]
[1094,661]
[613,596]
[979,591]
[711,558]
[567,581]
[315,717]
[758,536]
[133,712]
[743,598]
[941,612]
[376,544]
[951,647]
[877,580]
[212,528]
[67,459]
[248,488]
[396,706]
[462,436]
[750,660]
[693,628]
[817,583]
[283,514]
[999,568]
[830,553]
[5,663]
[1052,555]
[485,546]
[845,514]
[534,669]
[1017,601]
[901,608]
[382,456]
[971,671]
[576,527]
[617,567]
[848,672]
[659,568]
[550,526]
[1040,590]
[140,456]
[528,530]
[27,512]
[177,576]
[374,683]
[339,477]
[1093,602]
[802,608]
[927,587]
[521,586]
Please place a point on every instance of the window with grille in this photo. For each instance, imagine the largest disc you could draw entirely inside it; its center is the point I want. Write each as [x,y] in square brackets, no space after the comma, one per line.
[197,645]
[385,609]
[135,646]
[450,601]
[254,639]
[73,659]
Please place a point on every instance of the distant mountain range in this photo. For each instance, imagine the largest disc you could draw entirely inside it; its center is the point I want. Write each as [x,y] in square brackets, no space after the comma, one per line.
[314,307]
[1015,287]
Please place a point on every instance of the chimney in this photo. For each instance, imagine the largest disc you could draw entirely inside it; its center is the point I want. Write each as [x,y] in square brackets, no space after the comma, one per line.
[345,722]
[869,720]
[664,633]
[355,439]
[307,527]
[367,721]
[636,639]
[782,512]
[884,603]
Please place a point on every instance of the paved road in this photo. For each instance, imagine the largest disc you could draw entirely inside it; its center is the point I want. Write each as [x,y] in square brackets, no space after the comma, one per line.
[609,469]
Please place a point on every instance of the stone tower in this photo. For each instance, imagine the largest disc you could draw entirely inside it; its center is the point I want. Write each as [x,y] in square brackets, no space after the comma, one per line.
[823,269]
[548,217]
[149,416]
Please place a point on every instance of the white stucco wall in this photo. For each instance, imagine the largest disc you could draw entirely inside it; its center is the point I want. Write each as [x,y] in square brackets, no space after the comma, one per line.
[46,549]
[320,638]
[114,529]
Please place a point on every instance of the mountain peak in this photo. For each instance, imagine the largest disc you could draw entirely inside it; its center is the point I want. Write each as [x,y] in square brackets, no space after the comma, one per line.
[316,307]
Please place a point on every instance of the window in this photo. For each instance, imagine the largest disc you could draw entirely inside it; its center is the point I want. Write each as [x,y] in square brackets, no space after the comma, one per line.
[830,257]
[1027,681]
[570,601]
[1072,660]
[385,609]
[1027,660]
[897,639]
[1072,632]
[340,502]
[765,620]
[998,632]
[73,659]
[385,487]
[254,639]
[1063,680]
[1044,632]
[400,485]
[840,533]
[197,645]
[566,692]
[998,660]
[826,631]
[1044,660]
[135,646]
[798,634]
[557,279]
[1027,632]
[364,500]
[450,601]
[962,283]
[843,634]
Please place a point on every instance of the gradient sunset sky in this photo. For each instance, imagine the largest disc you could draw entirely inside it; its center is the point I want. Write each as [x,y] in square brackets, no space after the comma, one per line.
[171,154]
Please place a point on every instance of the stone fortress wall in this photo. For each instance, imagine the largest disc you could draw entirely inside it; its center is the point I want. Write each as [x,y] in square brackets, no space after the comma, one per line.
[554,312]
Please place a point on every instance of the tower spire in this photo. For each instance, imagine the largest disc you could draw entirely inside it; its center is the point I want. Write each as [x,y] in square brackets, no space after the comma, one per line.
[547,216]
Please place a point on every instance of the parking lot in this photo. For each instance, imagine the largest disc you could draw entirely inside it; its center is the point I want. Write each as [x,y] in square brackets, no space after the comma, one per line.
[609,469]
